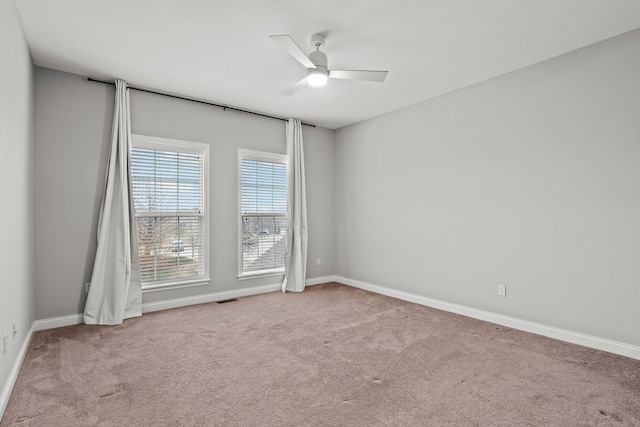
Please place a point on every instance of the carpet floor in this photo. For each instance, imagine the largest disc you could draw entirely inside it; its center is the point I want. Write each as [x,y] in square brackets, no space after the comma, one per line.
[330,356]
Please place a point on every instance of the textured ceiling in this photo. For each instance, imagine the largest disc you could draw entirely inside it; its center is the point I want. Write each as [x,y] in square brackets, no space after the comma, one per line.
[220,51]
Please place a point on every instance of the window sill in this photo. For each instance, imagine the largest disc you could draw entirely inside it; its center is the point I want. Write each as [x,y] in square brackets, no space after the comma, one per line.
[175,285]
[262,273]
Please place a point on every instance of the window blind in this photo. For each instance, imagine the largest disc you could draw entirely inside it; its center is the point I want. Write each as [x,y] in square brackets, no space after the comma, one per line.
[168,196]
[264,214]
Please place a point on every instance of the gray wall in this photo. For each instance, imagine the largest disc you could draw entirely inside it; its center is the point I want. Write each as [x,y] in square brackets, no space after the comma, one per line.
[16,186]
[73,126]
[531,180]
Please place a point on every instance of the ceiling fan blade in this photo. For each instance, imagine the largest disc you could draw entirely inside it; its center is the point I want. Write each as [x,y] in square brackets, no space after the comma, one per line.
[367,75]
[294,50]
[294,88]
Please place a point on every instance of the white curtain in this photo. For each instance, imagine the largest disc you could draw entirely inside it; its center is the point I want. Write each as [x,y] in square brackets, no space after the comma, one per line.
[296,256]
[116,289]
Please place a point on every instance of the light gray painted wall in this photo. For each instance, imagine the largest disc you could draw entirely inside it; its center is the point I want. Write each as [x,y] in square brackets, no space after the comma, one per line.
[16,186]
[531,180]
[73,123]
[73,126]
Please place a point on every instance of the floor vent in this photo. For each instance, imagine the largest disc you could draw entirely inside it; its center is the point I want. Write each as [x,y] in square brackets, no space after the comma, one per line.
[224,301]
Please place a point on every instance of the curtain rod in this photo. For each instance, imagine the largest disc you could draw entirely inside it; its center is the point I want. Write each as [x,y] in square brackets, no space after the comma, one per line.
[224,107]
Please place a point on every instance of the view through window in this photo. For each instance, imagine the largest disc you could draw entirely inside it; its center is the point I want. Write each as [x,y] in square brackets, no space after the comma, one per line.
[168,183]
[263,205]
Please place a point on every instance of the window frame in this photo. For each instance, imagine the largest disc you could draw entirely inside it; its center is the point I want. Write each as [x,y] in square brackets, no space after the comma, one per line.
[188,147]
[261,156]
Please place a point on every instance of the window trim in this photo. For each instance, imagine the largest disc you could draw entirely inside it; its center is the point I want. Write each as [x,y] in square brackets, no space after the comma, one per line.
[261,156]
[189,147]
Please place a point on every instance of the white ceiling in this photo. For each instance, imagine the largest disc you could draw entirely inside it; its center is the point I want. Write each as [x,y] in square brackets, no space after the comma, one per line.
[220,51]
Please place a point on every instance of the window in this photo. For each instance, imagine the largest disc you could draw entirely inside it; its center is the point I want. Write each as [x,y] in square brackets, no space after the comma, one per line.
[169,183]
[263,213]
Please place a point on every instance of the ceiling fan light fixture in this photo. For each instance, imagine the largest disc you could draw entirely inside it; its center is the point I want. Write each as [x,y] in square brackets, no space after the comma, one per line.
[317,77]
[317,65]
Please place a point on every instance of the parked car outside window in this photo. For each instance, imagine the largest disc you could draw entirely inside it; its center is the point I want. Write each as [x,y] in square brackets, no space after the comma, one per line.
[177,246]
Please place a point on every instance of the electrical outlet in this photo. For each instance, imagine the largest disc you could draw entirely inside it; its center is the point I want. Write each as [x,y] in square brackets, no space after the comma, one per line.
[15,330]
[502,290]
[86,287]
[319,261]
[6,343]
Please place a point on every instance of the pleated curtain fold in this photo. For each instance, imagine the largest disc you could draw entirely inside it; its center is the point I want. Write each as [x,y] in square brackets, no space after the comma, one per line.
[115,293]
[296,252]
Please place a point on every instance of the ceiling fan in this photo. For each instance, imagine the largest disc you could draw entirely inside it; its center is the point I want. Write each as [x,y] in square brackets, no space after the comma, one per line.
[317,65]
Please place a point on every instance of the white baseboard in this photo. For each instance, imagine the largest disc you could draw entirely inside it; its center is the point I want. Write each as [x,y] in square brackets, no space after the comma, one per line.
[76,319]
[224,295]
[57,322]
[205,298]
[604,344]
[13,374]
[319,280]
[597,343]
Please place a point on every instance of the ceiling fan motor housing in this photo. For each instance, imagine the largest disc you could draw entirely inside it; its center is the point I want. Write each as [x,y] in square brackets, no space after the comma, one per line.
[319,59]
[318,76]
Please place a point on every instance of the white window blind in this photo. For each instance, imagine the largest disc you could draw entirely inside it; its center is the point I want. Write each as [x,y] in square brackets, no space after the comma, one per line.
[263,203]
[168,183]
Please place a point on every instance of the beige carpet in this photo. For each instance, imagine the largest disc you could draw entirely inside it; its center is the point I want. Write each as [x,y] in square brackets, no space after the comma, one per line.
[331,356]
